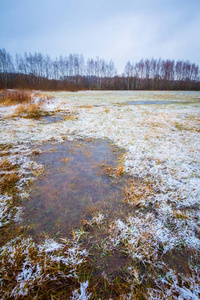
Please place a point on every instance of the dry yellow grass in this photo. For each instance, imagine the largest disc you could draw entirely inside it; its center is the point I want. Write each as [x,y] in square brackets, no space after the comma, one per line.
[28,111]
[119,170]
[14,97]
[69,117]
[8,182]
[180,214]
[109,170]
[137,193]
[86,106]
[5,165]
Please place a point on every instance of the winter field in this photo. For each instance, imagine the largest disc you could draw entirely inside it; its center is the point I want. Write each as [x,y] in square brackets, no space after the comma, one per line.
[141,238]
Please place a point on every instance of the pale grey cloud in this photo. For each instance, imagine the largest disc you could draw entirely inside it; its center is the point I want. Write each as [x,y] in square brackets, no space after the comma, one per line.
[121,30]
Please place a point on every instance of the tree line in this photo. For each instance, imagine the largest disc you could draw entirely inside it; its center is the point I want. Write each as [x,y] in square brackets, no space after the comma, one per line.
[162,74]
[36,71]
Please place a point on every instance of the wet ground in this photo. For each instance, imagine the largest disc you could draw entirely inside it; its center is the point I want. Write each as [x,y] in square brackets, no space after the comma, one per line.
[52,119]
[159,238]
[77,182]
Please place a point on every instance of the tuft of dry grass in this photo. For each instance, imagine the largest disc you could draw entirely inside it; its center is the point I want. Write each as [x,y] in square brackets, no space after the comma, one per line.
[70,117]
[5,165]
[29,111]
[137,193]
[109,170]
[119,170]
[13,97]
[180,214]
[8,182]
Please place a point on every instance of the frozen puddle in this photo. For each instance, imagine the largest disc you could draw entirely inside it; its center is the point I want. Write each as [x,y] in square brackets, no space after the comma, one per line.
[74,184]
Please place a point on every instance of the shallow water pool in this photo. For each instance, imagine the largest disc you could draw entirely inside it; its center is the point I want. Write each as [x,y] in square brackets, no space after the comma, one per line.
[78,181]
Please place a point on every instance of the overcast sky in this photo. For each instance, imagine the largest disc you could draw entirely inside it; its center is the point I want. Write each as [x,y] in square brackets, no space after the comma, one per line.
[121,30]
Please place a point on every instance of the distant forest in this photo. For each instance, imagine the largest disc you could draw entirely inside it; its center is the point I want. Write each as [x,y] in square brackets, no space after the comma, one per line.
[73,73]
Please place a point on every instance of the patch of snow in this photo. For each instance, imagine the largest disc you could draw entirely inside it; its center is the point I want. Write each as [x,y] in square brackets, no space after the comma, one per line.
[18,214]
[98,219]
[50,245]
[5,210]
[81,294]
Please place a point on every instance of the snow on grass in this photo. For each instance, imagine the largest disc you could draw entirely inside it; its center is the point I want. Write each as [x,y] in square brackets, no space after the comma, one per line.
[147,232]
[50,245]
[188,290]
[162,144]
[82,294]
[26,266]
[18,172]
[98,219]
[5,213]
[6,111]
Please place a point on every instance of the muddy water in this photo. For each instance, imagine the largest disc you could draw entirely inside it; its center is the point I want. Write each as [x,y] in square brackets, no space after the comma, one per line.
[73,186]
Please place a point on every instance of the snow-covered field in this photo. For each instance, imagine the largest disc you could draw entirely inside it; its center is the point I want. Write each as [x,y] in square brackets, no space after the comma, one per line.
[162,149]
